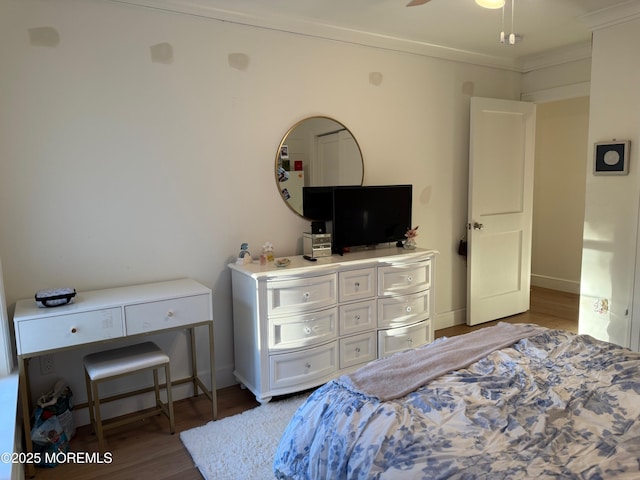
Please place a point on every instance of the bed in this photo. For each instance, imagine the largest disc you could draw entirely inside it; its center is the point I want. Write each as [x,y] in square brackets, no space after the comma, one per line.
[545,404]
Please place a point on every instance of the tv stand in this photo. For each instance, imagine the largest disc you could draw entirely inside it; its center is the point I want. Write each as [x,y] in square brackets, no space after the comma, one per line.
[300,326]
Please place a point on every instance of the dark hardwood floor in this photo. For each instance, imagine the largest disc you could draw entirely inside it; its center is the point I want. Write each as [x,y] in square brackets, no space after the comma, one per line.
[145,450]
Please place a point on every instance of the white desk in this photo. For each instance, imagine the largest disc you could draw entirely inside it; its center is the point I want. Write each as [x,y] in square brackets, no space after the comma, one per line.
[110,315]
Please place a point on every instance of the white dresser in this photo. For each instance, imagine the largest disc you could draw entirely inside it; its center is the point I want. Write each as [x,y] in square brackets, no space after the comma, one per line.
[299,326]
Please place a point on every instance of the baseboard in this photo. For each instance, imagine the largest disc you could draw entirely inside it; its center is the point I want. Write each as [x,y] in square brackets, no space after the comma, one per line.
[552,283]
[450,319]
[225,377]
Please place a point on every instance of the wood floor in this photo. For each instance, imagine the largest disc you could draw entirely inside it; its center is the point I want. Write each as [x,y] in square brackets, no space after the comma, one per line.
[145,450]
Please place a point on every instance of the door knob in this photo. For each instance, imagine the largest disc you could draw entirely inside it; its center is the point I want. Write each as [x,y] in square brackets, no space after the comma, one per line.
[477,226]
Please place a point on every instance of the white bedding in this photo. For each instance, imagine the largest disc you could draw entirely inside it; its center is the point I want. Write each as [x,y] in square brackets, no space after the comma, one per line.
[554,405]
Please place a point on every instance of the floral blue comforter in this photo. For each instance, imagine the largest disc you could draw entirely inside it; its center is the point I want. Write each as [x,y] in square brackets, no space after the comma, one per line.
[555,405]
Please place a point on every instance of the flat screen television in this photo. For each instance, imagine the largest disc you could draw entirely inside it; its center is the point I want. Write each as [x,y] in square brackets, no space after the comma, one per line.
[370,215]
[317,203]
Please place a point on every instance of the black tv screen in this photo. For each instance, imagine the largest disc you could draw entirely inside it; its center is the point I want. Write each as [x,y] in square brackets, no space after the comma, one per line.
[370,215]
[317,203]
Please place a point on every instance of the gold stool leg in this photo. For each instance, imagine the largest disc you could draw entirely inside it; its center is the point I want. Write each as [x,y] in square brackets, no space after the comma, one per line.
[156,387]
[98,417]
[92,419]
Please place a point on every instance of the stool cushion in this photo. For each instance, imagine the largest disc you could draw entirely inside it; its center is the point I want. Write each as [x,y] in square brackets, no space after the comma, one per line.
[119,361]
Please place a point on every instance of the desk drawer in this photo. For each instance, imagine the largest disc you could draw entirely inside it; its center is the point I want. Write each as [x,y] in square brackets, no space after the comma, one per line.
[67,330]
[151,316]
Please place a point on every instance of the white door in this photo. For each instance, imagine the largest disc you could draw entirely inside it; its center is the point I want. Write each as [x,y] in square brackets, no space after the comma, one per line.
[501,157]
[339,161]
[327,167]
[350,160]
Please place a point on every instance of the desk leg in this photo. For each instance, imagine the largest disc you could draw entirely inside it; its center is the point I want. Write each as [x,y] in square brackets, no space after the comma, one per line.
[212,366]
[194,361]
[197,382]
[25,401]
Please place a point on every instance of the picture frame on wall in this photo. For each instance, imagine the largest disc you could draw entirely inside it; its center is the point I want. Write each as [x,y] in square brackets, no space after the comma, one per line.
[611,157]
[284,152]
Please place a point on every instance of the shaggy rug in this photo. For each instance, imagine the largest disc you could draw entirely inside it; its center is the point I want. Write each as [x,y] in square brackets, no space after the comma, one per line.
[241,446]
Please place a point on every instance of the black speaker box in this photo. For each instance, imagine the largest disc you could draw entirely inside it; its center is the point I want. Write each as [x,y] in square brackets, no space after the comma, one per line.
[318,227]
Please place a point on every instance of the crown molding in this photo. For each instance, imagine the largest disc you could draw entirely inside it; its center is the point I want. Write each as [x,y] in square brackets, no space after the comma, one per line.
[201,8]
[564,92]
[304,27]
[608,17]
[559,56]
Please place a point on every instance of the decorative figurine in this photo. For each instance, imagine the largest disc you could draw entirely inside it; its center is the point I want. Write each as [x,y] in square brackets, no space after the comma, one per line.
[267,250]
[244,256]
[410,242]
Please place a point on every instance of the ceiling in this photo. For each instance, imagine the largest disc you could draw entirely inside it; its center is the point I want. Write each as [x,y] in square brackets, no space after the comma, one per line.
[443,28]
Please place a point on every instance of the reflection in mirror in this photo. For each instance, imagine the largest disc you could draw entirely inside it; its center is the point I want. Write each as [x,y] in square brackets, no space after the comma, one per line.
[316,152]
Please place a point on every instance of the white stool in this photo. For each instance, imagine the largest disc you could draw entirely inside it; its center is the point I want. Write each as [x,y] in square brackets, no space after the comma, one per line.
[102,366]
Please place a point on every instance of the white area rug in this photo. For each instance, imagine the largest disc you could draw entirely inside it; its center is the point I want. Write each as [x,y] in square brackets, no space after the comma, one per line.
[242,446]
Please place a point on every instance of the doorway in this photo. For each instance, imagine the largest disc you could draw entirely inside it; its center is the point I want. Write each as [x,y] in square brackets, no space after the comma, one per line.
[562,128]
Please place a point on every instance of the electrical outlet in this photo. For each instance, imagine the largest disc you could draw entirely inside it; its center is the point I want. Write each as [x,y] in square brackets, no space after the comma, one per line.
[601,306]
[47,365]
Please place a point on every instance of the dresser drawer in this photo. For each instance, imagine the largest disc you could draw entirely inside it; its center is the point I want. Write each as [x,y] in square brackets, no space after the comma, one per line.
[357,284]
[151,316]
[401,279]
[303,368]
[398,339]
[303,330]
[67,330]
[357,349]
[357,317]
[301,294]
[403,310]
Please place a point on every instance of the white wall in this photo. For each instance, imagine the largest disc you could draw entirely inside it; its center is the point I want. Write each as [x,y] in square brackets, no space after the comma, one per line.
[559,188]
[117,170]
[611,208]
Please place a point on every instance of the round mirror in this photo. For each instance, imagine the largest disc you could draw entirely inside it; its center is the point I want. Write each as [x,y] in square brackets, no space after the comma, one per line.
[316,152]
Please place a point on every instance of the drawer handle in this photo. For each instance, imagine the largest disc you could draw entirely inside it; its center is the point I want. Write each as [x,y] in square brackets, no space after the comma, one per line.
[306,295]
[307,365]
[357,284]
[409,308]
[357,318]
[170,313]
[307,330]
[409,340]
[74,330]
[357,349]
[410,278]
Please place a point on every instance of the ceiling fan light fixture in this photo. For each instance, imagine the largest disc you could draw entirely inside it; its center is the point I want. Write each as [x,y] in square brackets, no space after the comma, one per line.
[491,3]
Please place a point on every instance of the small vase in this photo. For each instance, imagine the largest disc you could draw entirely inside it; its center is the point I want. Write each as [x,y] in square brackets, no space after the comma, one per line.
[409,244]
